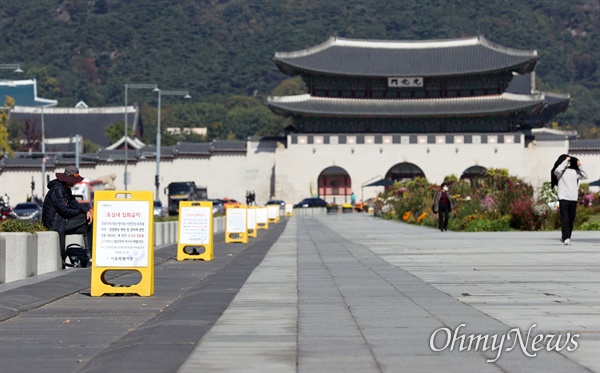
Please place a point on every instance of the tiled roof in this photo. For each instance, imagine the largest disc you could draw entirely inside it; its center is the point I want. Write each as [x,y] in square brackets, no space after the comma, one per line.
[584,145]
[376,58]
[91,124]
[229,146]
[18,162]
[149,151]
[188,148]
[482,105]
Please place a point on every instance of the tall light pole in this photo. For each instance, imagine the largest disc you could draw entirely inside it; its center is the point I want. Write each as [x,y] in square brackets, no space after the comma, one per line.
[184,94]
[44,151]
[131,86]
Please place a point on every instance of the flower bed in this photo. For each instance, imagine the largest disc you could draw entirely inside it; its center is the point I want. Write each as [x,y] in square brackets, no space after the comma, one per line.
[495,201]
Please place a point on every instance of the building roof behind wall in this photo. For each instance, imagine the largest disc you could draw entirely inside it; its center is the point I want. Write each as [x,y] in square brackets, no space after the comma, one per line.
[24,92]
[90,123]
[379,58]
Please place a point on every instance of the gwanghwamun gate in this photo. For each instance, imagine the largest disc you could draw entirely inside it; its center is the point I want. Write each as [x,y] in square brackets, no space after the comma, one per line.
[374,110]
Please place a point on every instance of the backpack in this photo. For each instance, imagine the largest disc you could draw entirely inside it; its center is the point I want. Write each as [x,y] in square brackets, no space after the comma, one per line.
[77,256]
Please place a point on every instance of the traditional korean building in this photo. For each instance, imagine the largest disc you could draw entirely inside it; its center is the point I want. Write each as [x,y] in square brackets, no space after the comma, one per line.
[425,108]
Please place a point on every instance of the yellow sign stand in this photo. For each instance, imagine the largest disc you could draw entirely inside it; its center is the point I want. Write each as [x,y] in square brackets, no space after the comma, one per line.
[123,240]
[273,213]
[236,227]
[262,221]
[289,210]
[195,230]
[252,230]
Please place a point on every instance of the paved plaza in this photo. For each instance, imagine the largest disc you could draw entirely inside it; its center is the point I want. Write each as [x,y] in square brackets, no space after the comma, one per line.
[333,293]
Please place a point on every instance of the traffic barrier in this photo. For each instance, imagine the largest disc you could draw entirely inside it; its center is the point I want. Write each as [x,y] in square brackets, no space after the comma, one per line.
[18,256]
[195,231]
[310,211]
[159,229]
[123,240]
[48,251]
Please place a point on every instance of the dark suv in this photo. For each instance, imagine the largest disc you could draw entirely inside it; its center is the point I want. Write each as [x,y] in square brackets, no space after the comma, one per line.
[311,202]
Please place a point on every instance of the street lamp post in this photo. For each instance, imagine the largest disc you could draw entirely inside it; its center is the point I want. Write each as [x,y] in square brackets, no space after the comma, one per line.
[44,151]
[184,94]
[131,86]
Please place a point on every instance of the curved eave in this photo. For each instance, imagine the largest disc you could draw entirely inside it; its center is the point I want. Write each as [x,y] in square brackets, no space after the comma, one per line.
[306,105]
[374,58]
[554,104]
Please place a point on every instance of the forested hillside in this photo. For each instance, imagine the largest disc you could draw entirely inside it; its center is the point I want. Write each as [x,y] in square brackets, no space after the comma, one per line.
[221,50]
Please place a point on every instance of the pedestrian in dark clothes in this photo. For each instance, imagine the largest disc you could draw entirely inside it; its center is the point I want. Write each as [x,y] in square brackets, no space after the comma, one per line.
[443,205]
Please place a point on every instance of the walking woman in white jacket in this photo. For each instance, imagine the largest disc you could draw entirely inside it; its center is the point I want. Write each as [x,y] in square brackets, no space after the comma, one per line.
[567,172]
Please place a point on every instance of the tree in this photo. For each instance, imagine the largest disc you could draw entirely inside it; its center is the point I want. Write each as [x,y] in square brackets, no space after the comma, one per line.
[4,143]
[292,86]
[114,132]
[90,147]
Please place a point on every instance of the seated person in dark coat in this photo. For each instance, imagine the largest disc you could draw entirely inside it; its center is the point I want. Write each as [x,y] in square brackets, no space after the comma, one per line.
[63,214]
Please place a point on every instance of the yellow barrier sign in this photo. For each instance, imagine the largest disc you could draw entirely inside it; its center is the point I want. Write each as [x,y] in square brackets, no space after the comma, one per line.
[252,231]
[262,222]
[195,231]
[289,210]
[123,240]
[235,224]
[273,213]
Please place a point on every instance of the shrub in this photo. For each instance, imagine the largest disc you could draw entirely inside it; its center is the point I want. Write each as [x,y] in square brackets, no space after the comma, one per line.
[550,220]
[166,218]
[582,216]
[486,225]
[523,215]
[590,226]
[16,225]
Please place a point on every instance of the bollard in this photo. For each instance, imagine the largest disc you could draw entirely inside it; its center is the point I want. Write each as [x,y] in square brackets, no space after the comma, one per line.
[48,252]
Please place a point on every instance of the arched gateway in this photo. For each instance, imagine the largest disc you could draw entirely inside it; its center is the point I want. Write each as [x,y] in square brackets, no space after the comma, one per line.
[335,185]
[404,171]
[473,173]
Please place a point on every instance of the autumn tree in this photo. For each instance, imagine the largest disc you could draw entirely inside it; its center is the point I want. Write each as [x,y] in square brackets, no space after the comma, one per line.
[4,144]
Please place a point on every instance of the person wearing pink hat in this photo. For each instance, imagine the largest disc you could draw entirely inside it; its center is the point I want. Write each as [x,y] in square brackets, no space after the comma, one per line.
[63,214]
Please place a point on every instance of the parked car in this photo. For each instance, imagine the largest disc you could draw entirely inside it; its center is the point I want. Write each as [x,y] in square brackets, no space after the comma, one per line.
[312,202]
[276,202]
[228,202]
[159,210]
[218,206]
[27,211]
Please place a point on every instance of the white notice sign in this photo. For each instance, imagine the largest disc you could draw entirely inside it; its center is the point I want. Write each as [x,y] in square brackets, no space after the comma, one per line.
[272,211]
[123,233]
[261,215]
[195,226]
[289,208]
[236,220]
[251,218]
